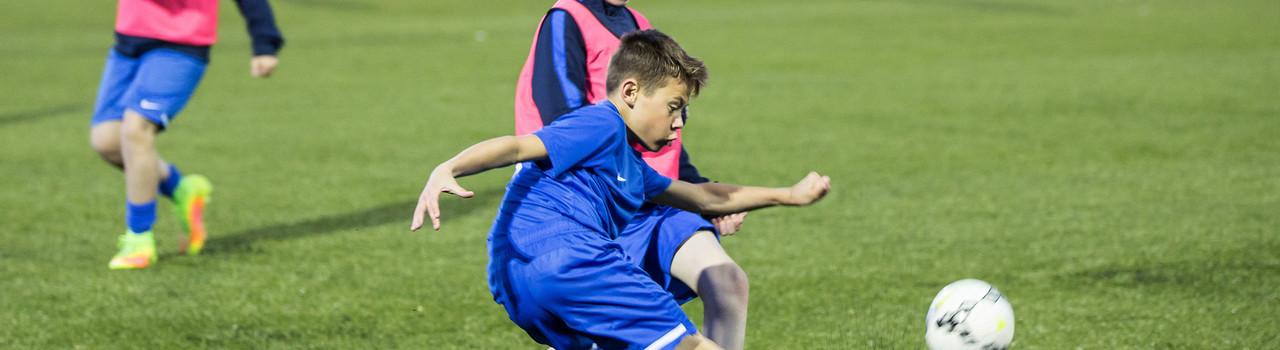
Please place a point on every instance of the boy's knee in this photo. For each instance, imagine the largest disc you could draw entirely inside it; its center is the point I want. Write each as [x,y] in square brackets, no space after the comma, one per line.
[105,139]
[137,130]
[729,281]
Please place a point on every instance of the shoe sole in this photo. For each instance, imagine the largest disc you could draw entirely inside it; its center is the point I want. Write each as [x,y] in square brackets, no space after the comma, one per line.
[130,263]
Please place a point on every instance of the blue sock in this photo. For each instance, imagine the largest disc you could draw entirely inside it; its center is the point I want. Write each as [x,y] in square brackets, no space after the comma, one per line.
[140,217]
[171,183]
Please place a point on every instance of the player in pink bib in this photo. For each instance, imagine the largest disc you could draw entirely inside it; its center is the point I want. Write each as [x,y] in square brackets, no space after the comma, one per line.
[160,55]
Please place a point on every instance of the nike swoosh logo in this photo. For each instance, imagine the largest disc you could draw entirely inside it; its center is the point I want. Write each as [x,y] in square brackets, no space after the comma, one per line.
[149,105]
[621,179]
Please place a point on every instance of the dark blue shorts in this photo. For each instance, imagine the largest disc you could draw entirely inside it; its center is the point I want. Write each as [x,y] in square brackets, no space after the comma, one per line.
[156,85]
[575,288]
[652,238]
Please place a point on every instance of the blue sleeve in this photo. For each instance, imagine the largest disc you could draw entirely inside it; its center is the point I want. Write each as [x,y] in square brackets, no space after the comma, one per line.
[578,141]
[559,82]
[267,39]
[654,183]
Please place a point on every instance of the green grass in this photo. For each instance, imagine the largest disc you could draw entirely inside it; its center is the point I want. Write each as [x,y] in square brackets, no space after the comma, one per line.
[1112,166]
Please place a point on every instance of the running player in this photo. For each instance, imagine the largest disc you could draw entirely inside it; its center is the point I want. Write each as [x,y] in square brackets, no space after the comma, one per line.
[554,263]
[160,54]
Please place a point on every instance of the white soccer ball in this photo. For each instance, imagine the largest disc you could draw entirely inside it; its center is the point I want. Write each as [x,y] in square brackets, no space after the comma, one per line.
[969,315]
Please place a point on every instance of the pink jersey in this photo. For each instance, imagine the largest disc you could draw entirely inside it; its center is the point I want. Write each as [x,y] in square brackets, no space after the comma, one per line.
[600,45]
[190,22]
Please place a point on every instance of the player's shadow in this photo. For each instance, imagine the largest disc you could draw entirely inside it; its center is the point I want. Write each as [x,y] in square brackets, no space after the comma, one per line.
[397,213]
[47,112]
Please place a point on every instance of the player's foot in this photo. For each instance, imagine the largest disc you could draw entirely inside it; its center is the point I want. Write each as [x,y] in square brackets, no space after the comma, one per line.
[136,251]
[188,203]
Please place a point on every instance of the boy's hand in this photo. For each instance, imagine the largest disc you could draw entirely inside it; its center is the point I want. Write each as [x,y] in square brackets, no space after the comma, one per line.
[729,224]
[810,189]
[429,201]
[261,66]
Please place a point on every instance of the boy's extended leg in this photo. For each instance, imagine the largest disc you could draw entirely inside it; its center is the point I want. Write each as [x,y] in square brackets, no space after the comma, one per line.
[681,252]
[702,263]
[139,97]
[142,176]
[144,172]
[141,161]
[189,193]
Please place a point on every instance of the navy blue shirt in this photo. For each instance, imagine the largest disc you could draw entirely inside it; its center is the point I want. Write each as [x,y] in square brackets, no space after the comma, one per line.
[257,14]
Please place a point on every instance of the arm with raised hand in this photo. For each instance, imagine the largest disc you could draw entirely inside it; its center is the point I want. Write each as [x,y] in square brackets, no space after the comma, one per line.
[489,154]
[727,225]
[722,199]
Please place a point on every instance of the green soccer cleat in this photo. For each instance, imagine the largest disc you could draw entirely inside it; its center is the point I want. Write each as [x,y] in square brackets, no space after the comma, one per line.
[189,200]
[136,251]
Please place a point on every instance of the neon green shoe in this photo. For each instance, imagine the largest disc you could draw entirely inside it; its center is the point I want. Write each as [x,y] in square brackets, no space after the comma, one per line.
[136,251]
[189,200]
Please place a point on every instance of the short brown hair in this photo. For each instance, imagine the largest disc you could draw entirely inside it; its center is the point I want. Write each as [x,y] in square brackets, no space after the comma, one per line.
[651,57]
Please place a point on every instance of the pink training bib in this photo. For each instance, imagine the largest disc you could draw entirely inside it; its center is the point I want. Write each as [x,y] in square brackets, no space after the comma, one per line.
[190,22]
[600,45]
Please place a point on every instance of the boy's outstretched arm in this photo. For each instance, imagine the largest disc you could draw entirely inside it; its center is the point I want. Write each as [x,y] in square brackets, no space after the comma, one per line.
[489,154]
[723,199]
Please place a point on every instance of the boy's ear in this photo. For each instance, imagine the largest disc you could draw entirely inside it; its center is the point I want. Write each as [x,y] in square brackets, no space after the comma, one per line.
[630,92]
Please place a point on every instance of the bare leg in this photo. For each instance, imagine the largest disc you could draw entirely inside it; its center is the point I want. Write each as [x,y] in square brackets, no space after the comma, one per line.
[703,264]
[697,342]
[105,139]
[141,161]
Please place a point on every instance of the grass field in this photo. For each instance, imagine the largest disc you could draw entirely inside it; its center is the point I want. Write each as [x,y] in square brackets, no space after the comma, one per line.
[1112,166]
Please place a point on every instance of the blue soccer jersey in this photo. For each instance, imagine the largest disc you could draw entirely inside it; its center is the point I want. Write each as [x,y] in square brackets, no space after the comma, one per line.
[592,175]
[553,261]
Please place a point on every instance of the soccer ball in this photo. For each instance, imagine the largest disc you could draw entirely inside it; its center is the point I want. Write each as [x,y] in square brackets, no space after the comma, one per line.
[969,314]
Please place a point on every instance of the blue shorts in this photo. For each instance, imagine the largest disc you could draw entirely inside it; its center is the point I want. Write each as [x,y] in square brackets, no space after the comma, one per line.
[575,288]
[652,238]
[156,85]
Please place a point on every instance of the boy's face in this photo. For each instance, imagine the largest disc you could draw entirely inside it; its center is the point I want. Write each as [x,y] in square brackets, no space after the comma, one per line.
[656,117]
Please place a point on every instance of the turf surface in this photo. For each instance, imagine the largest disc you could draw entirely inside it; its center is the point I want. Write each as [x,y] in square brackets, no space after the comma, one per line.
[1112,166]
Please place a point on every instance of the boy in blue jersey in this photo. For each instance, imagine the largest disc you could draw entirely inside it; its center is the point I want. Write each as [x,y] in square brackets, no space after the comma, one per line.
[680,250]
[160,55]
[554,265]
